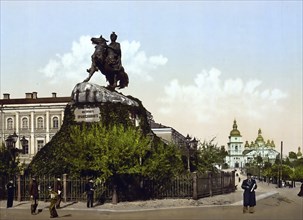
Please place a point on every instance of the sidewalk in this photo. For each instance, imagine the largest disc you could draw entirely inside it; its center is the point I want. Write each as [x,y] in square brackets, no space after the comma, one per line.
[235,199]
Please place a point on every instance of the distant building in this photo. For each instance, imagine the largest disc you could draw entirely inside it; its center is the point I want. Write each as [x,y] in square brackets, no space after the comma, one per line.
[37,119]
[168,134]
[240,154]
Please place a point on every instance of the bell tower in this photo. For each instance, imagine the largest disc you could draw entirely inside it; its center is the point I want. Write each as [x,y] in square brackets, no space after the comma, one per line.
[235,148]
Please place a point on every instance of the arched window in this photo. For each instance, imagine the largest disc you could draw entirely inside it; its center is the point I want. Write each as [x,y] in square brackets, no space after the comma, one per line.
[55,122]
[40,123]
[24,123]
[10,124]
[236,148]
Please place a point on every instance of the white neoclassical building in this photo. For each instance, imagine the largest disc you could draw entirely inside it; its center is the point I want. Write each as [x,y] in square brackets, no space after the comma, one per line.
[239,153]
[36,119]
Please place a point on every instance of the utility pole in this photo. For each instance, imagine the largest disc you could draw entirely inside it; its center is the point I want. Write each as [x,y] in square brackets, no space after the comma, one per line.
[280,182]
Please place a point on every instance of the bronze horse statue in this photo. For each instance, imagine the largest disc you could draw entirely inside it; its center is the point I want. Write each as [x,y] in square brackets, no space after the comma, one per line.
[107,59]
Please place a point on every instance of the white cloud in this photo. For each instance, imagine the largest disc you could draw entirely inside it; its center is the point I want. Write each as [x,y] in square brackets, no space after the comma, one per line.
[138,63]
[210,98]
[71,66]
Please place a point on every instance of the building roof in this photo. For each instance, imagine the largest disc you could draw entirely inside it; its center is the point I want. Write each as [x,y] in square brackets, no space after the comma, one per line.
[157,125]
[31,98]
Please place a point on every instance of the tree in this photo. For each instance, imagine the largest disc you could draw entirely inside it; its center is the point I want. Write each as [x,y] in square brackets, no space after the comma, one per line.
[297,174]
[292,155]
[209,155]
[114,153]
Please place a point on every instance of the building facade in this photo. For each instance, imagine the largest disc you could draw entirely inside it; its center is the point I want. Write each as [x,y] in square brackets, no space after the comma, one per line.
[36,119]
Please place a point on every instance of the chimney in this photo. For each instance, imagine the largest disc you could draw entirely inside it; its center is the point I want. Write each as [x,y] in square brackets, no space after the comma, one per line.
[54,95]
[34,95]
[6,96]
[28,95]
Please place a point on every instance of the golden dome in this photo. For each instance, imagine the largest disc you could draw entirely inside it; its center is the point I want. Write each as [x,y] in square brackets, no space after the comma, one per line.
[259,138]
[246,144]
[299,154]
[235,132]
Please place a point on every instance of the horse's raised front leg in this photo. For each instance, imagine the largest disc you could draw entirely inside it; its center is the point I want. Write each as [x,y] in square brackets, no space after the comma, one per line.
[88,78]
[91,71]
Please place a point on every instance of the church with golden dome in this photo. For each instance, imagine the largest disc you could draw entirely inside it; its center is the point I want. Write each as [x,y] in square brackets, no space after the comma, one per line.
[239,153]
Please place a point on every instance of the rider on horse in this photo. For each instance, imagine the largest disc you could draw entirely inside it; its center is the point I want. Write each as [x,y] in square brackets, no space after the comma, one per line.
[107,59]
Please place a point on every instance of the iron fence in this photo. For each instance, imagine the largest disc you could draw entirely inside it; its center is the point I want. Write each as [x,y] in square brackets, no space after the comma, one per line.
[193,185]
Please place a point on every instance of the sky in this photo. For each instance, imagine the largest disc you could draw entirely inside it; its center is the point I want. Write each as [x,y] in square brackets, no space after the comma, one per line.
[196,65]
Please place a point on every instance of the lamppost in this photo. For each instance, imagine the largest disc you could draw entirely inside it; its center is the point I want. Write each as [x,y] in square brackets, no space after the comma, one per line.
[11,146]
[190,144]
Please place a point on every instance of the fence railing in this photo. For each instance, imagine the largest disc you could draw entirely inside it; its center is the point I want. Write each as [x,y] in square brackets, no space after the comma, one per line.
[193,185]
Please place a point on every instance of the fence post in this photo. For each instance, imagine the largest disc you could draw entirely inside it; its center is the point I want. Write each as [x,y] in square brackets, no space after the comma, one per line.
[195,186]
[233,180]
[210,181]
[64,187]
[19,187]
[222,182]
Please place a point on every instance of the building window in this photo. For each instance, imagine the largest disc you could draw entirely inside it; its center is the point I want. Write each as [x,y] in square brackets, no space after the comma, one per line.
[236,148]
[40,123]
[10,124]
[40,144]
[24,123]
[55,122]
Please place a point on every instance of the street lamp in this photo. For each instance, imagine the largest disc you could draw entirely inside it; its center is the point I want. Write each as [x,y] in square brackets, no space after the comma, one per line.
[190,144]
[11,144]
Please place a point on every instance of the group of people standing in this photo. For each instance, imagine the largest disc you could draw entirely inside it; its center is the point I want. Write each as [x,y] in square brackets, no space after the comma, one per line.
[55,196]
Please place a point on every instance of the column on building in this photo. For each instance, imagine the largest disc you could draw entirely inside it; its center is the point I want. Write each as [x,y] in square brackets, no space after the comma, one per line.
[47,126]
[32,150]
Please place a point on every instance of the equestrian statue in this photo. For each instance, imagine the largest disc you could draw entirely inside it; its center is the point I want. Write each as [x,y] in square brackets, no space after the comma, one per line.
[107,59]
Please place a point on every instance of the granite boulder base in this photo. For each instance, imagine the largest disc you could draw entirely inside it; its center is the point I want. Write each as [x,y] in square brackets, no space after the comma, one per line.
[86,92]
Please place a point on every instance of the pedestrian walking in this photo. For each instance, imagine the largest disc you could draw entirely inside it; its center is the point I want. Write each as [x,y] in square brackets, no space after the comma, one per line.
[249,197]
[58,189]
[34,195]
[89,188]
[301,190]
[53,195]
[10,187]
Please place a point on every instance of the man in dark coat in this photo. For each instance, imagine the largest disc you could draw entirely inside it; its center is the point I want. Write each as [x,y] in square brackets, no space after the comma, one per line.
[10,193]
[249,197]
[301,190]
[89,188]
[34,195]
